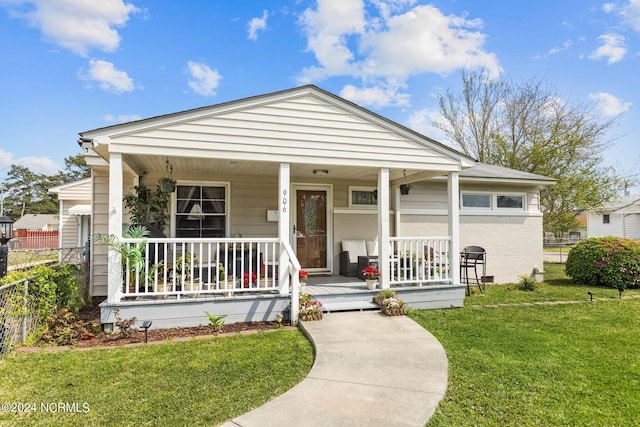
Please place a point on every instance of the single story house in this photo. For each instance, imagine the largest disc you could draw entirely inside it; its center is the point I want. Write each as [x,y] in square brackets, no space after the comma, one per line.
[619,218]
[75,212]
[295,180]
[35,231]
[36,222]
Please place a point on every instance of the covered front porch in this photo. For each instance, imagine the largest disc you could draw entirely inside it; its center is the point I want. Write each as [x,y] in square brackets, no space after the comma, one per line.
[336,293]
[266,187]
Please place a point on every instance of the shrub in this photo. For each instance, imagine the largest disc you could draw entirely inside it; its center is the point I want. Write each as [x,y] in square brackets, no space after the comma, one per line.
[51,288]
[607,261]
[527,283]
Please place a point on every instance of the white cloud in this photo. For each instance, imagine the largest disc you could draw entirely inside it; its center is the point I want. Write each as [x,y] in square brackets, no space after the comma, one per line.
[608,104]
[612,49]
[42,165]
[608,7]
[122,118]
[376,96]
[425,40]
[565,46]
[631,14]
[390,46]
[77,25]
[422,121]
[257,24]
[204,81]
[108,77]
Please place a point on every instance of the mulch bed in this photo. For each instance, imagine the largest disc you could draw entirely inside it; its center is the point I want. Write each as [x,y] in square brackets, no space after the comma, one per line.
[103,339]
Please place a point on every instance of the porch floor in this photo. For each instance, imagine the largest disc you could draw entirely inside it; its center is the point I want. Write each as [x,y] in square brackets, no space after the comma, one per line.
[336,293]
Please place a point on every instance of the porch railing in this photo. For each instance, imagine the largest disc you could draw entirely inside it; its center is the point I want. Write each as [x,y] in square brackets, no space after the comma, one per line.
[420,261]
[164,267]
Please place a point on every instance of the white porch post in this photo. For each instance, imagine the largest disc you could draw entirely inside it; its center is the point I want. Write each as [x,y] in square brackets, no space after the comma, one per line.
[284,224]
[114,290]
[383,227]
[453,190]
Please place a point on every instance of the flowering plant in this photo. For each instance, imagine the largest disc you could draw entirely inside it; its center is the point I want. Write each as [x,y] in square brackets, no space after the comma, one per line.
[303,276]
[371,272]
[310,309]
[248,280]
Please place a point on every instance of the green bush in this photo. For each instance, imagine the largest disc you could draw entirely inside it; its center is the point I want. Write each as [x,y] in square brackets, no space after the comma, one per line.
[527,283]
[51,288]
[605,261]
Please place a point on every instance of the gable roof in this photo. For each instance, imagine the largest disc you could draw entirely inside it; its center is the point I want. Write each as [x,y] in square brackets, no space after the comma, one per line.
[304,125]
[35,221]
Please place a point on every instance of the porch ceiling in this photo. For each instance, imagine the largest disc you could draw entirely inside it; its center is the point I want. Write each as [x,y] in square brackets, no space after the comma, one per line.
[247,167]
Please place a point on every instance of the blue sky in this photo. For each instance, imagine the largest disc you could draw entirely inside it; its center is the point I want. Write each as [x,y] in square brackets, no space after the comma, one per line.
[76,65]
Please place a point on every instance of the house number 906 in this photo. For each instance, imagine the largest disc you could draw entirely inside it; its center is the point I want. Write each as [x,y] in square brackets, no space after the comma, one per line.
[284,201]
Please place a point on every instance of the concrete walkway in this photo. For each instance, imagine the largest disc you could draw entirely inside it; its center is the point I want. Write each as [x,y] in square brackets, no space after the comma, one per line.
[370,370]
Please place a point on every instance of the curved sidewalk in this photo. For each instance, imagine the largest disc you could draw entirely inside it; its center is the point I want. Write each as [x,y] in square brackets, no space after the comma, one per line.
[370,370]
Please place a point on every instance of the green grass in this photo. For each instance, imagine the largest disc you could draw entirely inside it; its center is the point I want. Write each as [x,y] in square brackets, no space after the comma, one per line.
[556,287]
[563,249]
[19,257]
[198,382]
[551,365]
[539,365]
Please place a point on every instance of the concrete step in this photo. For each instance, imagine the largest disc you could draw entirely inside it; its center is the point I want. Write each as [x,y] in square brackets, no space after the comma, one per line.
[349,306]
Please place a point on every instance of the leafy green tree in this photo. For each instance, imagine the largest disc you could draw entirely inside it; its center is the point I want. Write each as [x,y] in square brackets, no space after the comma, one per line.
[27,192]
[528,127]
[75,169]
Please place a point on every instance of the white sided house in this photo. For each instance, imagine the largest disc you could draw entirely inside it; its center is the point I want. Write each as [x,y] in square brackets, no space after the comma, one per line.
[75,212]
[299,179]
[621,218]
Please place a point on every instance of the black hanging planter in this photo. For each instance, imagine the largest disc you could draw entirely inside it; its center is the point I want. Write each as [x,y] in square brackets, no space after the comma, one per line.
[168,186]
[404,189]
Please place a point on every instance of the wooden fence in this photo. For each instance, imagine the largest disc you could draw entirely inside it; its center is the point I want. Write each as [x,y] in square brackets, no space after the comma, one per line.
[34,239]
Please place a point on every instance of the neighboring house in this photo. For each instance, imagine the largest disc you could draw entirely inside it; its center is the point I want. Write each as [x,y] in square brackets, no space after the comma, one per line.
[620,218]
[39,222]
[286,178]
[75,212]
[35,231]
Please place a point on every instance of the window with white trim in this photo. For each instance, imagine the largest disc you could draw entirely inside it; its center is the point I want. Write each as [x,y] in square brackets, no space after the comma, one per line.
[472,200]
[363,197]
[201,210]
[493,201]
[510,201]
[606,218]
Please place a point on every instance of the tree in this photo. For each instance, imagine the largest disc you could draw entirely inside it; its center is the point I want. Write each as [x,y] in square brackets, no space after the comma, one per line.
[75,169]
[528,127]
[28,192]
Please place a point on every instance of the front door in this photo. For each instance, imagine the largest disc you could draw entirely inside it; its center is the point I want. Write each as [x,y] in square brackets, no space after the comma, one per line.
[311,228]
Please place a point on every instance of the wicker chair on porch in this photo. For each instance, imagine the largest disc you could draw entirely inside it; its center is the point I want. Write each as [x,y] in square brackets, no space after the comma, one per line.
[355,256]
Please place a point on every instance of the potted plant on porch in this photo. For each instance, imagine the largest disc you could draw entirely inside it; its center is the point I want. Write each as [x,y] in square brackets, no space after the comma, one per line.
[310,309]
[371,275]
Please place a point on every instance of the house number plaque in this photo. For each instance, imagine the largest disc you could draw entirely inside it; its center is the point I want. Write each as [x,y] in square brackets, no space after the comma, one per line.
[284,201]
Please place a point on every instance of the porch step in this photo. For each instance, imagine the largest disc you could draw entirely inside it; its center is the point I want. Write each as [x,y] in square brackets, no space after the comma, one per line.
[350,305]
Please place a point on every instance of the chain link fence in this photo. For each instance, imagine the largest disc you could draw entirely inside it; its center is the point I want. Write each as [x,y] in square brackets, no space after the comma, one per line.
[17,317]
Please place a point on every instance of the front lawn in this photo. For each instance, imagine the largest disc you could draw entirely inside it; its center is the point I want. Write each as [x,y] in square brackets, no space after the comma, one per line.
[199,382]
[556,287]
[543,365]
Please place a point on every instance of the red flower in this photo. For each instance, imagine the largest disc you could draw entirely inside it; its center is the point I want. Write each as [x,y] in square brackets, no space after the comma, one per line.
[371,272]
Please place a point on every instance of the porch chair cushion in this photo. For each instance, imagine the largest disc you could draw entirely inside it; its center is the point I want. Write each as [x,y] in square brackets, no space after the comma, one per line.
[351,250]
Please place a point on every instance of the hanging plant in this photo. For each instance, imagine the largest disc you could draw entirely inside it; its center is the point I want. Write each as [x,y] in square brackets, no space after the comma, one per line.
[167,185]
[404,189]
